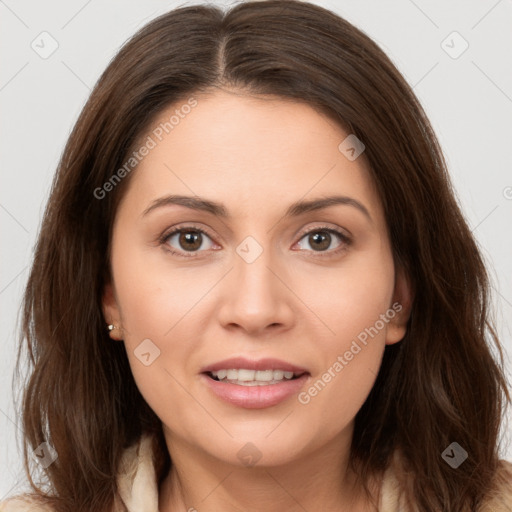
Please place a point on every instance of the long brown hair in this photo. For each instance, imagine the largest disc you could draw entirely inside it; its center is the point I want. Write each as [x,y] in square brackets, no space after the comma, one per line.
[440,384]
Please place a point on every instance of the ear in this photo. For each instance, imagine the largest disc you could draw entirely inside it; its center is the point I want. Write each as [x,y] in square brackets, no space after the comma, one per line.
[401,304]
[111,312]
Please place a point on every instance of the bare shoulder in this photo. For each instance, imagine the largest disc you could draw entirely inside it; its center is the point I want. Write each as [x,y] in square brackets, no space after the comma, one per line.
[24,503]
[500,497]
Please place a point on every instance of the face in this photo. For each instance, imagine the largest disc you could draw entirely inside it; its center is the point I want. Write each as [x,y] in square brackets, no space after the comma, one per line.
[256,268]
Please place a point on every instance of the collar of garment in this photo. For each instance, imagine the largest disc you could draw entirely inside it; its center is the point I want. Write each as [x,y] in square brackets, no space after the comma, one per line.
[138,488]
[138,491]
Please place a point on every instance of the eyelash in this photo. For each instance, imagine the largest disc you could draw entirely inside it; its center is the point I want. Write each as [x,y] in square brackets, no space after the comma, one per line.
[346,240]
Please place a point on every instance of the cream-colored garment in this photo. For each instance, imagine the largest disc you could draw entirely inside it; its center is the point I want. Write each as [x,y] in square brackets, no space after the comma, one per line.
[138,491]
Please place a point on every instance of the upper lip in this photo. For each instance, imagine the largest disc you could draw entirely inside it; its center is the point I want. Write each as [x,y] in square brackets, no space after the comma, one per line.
[249,364]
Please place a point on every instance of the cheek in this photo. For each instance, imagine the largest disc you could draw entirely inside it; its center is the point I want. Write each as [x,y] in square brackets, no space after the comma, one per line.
[153,299]
[333,397]
[154,308]
[350,298]
[160,347]
[354,305]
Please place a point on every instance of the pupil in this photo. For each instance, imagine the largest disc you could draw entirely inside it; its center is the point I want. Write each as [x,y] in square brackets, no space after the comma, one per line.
[190,240]
[321,239]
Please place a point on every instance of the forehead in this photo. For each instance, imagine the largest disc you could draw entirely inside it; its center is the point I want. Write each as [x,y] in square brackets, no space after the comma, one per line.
[250,152]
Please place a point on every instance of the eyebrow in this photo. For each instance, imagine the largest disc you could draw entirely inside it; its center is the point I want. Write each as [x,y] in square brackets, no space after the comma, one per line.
[219,210]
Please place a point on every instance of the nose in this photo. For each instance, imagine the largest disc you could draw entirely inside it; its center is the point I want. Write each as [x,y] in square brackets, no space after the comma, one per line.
[256,297]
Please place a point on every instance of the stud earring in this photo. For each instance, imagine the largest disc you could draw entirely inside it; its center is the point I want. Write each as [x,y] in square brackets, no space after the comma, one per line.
[111,327]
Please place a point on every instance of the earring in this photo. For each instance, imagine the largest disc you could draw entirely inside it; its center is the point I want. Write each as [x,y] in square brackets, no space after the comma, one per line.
[111,328]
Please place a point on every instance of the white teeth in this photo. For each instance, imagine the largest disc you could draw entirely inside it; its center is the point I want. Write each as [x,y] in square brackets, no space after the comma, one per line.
[232,374]
[265,375]
[247,377]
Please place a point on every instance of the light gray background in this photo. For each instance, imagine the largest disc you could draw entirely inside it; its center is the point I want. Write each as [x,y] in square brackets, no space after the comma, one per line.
[468,100]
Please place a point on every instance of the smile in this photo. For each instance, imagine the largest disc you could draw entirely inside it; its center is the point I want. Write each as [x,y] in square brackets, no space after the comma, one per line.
[246,377]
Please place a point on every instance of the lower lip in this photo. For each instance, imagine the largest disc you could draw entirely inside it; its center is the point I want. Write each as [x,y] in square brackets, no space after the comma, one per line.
[255,397]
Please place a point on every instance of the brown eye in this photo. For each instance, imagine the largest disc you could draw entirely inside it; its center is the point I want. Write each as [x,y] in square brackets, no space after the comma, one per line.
[321,240]
[190,240]
[187,240]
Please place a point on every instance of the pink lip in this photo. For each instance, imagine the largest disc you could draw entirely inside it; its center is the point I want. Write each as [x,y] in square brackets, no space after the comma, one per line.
[255,397]
[260,364]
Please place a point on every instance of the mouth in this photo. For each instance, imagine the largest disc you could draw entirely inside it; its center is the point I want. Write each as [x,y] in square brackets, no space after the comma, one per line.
[253,384]
[248,377]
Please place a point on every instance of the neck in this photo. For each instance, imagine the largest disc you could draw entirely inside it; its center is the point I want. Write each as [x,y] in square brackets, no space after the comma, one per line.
[321,480]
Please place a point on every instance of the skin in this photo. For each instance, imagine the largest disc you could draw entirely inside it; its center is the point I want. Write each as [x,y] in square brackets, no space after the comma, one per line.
[256,155]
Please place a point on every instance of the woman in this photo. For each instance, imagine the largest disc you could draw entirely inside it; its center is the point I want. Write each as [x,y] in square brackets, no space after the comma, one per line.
[253,288]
